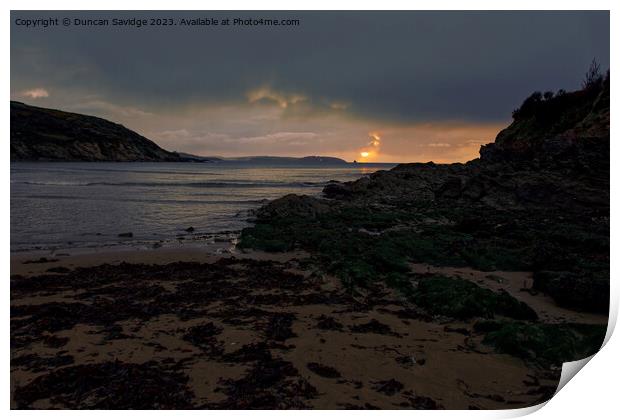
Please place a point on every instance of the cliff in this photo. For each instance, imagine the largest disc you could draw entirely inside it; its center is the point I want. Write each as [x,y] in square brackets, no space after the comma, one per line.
[556,128]
[41,134]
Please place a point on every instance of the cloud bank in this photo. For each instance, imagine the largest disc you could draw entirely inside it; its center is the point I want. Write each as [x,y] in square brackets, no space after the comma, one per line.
[316,88]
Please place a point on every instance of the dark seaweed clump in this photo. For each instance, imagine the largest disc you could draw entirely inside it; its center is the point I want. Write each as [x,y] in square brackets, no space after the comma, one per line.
[109,385]
[543,343]
[462,299]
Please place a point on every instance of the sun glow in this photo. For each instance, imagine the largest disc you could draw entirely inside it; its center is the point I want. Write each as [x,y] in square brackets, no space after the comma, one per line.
[372,148]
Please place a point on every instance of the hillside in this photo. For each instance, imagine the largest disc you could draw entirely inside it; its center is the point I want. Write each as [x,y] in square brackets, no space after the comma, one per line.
[41,134]
[554,127]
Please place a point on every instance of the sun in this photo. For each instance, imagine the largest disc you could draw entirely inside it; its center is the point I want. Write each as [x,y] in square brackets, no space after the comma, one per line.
[364,154]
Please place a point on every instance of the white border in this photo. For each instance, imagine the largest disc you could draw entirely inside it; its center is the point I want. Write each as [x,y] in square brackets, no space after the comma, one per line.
[592,395]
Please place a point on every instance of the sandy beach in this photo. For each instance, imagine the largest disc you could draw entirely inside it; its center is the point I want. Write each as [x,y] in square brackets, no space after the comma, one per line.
[247,330]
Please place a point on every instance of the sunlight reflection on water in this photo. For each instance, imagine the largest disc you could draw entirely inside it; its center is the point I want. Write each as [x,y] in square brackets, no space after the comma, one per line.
[89,204]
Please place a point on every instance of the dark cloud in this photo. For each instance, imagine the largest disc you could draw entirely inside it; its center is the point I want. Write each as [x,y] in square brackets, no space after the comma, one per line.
[395,66]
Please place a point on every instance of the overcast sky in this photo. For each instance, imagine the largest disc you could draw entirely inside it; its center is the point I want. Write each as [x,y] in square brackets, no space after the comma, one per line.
[400,86]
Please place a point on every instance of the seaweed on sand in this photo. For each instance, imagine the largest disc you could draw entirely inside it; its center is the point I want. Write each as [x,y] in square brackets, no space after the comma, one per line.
[270,384]
[204,337]
[322,370]
[543,343]
[462,299]
[109,385]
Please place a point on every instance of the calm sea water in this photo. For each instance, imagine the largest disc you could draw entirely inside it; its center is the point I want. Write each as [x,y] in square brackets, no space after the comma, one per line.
[76,205]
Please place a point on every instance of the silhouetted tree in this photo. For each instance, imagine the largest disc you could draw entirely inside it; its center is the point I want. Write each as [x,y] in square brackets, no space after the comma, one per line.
[548,95]
[528,106]
[535,97]
[593,78]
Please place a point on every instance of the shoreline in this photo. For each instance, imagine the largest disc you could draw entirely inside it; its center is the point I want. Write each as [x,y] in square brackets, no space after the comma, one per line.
[185,238]
[34,263]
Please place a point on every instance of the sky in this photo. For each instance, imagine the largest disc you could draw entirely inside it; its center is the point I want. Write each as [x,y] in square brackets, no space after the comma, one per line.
[366,86]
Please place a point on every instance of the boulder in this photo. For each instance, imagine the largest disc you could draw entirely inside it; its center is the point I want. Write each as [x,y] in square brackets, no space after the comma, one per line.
[293,205]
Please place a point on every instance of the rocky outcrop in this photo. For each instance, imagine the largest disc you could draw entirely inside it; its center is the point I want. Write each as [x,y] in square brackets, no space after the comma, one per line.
[293,205]
[536,200]
[554,154]
[51,135]
[556,129]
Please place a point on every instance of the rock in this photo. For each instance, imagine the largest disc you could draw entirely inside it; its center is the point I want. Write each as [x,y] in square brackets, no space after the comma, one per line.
[339,190]
[389,387]
[59,270]
[451,188]
[41,260]
[329,323]
[421,403]
[409,361]
[190,229]
[463,331]
[373,326]
[293,205]
[125,235]
[322,370]
[474,189]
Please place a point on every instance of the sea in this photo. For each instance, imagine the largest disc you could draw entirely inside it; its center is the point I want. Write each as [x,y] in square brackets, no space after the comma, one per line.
[84,205]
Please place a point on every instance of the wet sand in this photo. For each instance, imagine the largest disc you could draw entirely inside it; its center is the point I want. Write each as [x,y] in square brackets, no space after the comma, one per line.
[247,330]
[39,262]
